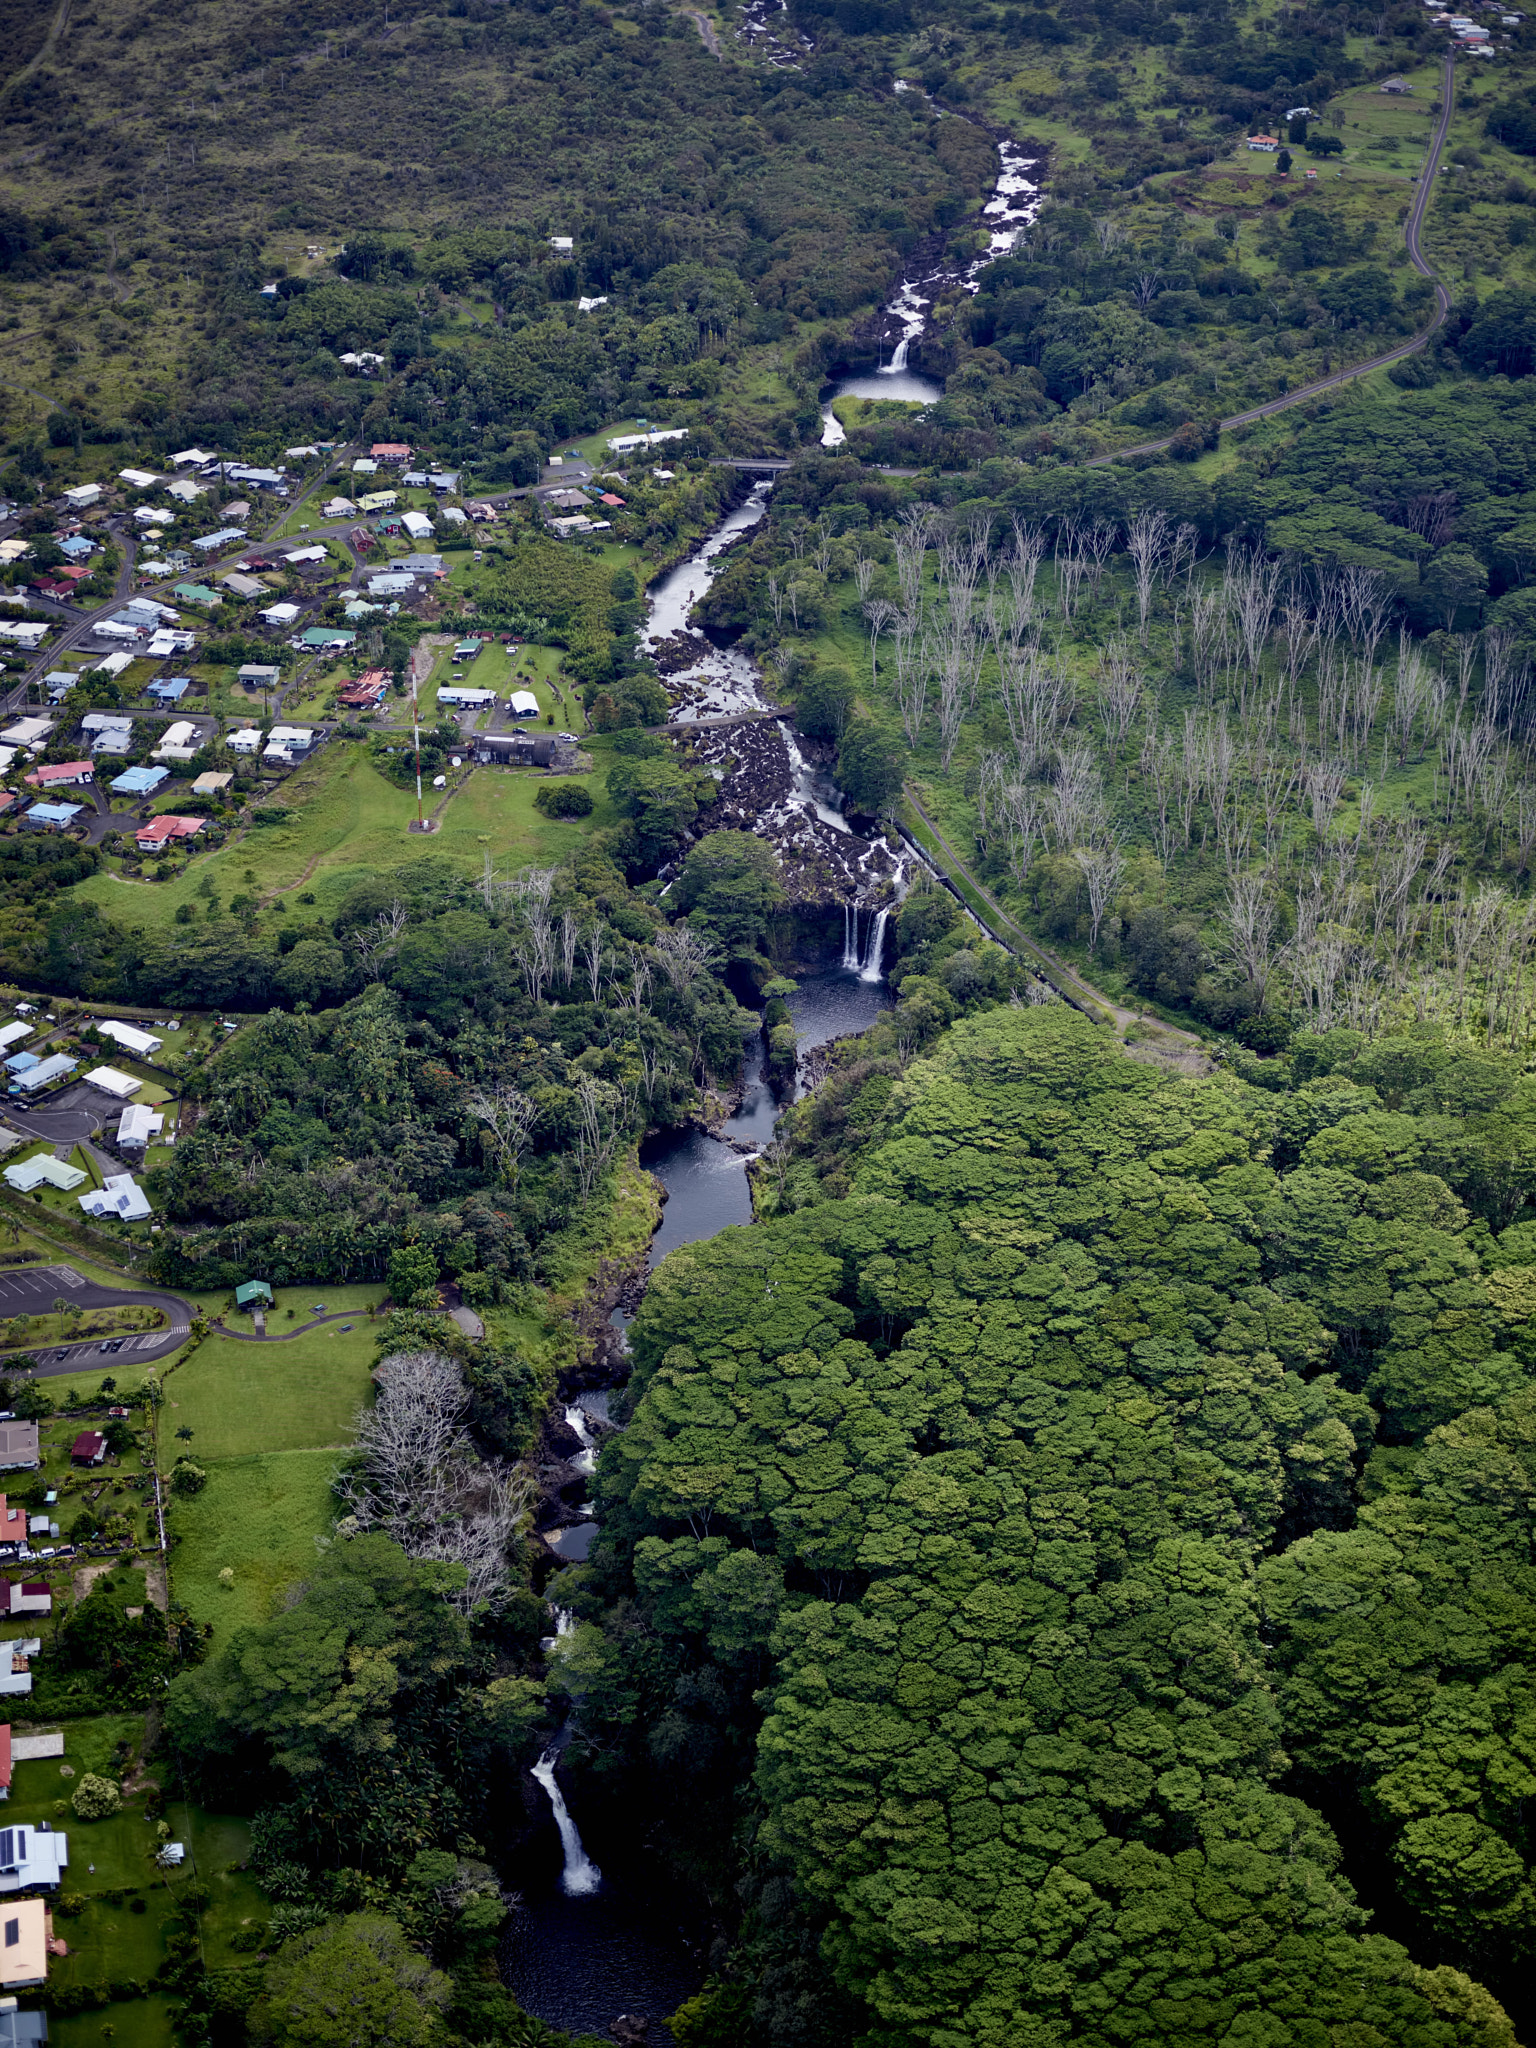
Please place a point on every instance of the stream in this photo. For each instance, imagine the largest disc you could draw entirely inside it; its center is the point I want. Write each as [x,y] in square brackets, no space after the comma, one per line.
[595,1936]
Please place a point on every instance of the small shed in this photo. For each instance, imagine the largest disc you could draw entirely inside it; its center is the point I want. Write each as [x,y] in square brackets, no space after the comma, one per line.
[253,1294]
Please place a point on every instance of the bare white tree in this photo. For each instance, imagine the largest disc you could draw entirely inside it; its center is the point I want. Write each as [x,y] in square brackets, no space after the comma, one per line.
[599,1130]
[685,955]
[1251,927]
[1102,866]
[380,941]
[509,1117]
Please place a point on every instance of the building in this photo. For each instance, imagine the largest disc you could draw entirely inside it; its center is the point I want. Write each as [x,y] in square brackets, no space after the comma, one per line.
[367,693]
[192,458]
[139,781]
[22,1062]
[28,732]
[1266,145]
[288,743]
[365,466]
[212,543]
[211,784]
[362,360]
[141,1043]
[417,525]
[196,593]
[279,614]
[515,749]
[392,452]
[167,640]
[16,1677]
[13,1034]
[119,1196]
[165,829]
[13,1524]
[1395,85]
[88,1448]
[378,501]
[179,742]
[61,775]
[335,637]
[31,1596]
[187,491]
[622,443]
[50,1072]
[523,704]
[467,700]
[29,634]
[452,515]
[245,739]
[253,1294]
[112,1082]
[25,1931]
[18,1447]
[50,817]
[83,496]
[243,586]
[139,1124]
[21,2029]
[392,583]
[43,1170]
[338,508]
[139,479]
[32,1859]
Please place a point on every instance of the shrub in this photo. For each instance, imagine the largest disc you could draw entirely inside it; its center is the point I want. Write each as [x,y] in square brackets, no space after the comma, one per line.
[187,1478]
[563,800]
[96,1798]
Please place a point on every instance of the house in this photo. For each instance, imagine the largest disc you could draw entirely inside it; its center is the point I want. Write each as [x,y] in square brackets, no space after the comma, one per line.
[61,775]
[414,479]
[393,452]
[621,443]
[29,634]
[378,501]
[365,466]
[609,499]
[187,491]
[32,1858]
[139,781]
[392,583]
[211,543]
[300,556]
[367,693]
[481,514]
[18,1447]
[179,742]
[33,1596]
[25,1932]
[113,1082]
[163,830]
[113,739]
[211,784]
[88,1448]
[245,739]
[119,1197]
[140,479]
[444,479]
[170,689]
[1265,144]
[243,586]
[515,749]
[451,515]
[279,614]
[28,732]
[335,637]
[567,500]
[262,479]
[192,458]
[82,496]
[21,2029]
[238,509]
[1305,113]
[139,1124]
[1395,85]
[16,1677]
[50,817]
[42,1170]
[523,704]
[288,743]
[590,305]
[168,641]
[59,1066]
[573,522]
[562,244]
[142,1044]
[22,1062]
[417,525]
[339,508]
[258,675]
[361,359]
[253,1294]
[197,593]
[13,1524]
[13,1034]
[467,700]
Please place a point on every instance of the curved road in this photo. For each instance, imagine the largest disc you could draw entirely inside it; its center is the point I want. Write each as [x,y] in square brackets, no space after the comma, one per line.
[1411,229]
[32,1290]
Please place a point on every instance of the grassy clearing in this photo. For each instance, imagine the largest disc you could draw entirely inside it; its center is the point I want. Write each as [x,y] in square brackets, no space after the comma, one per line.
[348,823]
[240,1397]
[257,1517]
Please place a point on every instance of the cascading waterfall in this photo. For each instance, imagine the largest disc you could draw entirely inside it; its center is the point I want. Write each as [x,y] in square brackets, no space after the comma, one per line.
[852,961]
[585,1461]
[580,1877]
[898,361]
[870,967]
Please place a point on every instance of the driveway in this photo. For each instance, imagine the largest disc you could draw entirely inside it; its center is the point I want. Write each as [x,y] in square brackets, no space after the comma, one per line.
[70,1116]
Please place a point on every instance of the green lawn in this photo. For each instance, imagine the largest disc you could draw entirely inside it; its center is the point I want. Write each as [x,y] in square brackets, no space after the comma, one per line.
[241,1397]
[349,823]
[257,1517]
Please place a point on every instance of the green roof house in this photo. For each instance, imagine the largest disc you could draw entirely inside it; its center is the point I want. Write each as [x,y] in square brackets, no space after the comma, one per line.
[253,1294]
[195,593]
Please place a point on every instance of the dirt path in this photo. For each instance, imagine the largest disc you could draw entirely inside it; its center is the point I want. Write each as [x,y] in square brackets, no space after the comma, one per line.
[707,34]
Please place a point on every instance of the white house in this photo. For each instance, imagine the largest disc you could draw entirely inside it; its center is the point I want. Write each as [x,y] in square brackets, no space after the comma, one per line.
[621,442]
[141,479]
[47,1073]
[13,1034]
[139,1124]
[288,742]
[28,732]
[279,614]
[306,555]
[192,458]
[121,1196]
[42,1170]
[187,491]
[32,1858]
[179,742]
[111,1082]
[417,525]
[128,1036]
[29,634]
[245,739]
[82,495]
[15,1676]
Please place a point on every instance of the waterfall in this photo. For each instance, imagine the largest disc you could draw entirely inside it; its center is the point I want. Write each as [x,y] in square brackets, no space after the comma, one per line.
[586,1460]
[870,968]
[851,960]
[581,1877]
[898,361]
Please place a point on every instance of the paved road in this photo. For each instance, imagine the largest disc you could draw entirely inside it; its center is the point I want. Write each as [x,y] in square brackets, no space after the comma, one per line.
[70,1117]
[1412,227]
[33,1291]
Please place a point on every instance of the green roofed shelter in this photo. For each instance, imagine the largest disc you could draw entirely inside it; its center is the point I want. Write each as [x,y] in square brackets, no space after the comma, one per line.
[253,1294]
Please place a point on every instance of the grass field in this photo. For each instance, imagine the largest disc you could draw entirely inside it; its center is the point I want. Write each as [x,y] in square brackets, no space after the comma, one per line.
[348,824]
[258,1517]
[240,1397]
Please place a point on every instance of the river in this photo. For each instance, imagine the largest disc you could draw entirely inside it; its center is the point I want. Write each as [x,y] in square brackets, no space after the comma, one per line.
[595,1936]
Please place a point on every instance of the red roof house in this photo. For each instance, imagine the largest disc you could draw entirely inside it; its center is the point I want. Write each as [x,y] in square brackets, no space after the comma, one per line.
[162,830]
[88,1448]
[13,1523]
[367,692]
[62,774]
[391,451]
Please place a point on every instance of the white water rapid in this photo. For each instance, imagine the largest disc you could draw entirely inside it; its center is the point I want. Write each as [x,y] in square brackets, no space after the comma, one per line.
[586,1459]
[581,1877]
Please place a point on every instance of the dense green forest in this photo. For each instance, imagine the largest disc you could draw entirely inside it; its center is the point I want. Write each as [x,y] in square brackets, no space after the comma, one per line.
[984,1540]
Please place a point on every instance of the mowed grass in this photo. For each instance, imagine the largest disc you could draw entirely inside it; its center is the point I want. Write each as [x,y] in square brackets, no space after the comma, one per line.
[240,1397]
[348,824]
[257,1517]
